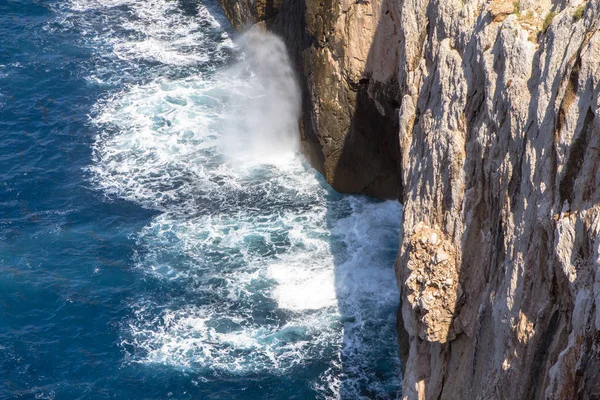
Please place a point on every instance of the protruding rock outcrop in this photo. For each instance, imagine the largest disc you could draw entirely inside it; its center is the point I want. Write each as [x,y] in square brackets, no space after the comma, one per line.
[431,286]
[491,111]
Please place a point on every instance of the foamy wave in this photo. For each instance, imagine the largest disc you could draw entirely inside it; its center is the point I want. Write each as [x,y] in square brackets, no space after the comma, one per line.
[281,267]
[255,265]
[195,338]
[133,38]
[223,261]
[157,139]
[164,143]
[87,5]
[167,35]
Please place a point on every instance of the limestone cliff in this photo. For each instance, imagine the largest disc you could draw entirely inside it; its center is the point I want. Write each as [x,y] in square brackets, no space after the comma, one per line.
[485,115]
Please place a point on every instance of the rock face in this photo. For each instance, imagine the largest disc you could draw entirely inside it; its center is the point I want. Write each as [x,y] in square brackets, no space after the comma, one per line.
[491,111]
[432,287]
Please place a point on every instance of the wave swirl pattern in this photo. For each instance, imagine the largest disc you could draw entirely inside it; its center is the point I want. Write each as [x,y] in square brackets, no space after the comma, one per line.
[255,266]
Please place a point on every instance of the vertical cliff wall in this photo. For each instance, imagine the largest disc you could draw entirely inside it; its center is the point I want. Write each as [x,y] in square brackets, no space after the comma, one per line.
[499,133]
[486,114]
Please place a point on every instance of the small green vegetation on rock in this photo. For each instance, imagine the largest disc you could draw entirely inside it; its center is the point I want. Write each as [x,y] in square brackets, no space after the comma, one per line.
[548,20]
[517,7]
[578,14]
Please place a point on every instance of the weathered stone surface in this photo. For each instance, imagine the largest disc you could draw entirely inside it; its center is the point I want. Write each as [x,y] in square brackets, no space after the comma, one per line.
[431,287]
[499,129]
[496,107]
[244,13]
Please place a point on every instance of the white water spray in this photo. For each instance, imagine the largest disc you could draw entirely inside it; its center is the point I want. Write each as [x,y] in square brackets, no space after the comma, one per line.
[262,121]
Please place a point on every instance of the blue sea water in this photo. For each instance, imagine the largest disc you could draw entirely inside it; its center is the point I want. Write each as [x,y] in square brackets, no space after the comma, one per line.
[145,256]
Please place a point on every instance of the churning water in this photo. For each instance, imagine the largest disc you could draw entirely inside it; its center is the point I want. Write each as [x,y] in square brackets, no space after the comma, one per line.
[173,243]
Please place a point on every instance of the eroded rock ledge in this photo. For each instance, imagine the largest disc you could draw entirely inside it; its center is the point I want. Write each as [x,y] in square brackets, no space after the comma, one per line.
[491,111]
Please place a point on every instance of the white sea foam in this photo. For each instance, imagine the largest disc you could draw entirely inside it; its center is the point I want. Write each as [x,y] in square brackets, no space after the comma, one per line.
[286,258]
[261,267]
[142,39]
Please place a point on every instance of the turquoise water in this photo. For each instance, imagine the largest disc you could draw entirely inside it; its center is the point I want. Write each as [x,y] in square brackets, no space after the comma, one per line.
[159,237]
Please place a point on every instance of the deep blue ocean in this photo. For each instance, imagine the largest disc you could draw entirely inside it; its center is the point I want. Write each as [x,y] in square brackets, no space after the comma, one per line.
[160,236]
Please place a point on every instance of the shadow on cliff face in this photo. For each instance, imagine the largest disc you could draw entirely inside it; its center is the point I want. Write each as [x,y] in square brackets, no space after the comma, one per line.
[369,158]
[365,231]
[369,154]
